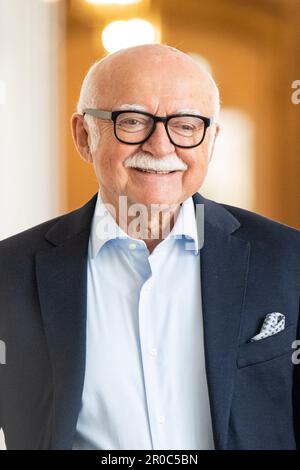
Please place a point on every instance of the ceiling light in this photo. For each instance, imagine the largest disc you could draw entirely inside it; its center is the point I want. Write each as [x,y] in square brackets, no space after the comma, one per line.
[121,34]
[112,2]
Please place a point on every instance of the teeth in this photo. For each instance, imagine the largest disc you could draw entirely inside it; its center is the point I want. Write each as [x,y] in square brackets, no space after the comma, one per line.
[152,171]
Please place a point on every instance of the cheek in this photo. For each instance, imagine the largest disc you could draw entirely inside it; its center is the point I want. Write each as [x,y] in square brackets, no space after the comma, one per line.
[197,162]
[108,162]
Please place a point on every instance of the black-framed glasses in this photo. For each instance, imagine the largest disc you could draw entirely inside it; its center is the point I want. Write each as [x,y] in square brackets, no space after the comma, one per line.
[135,127]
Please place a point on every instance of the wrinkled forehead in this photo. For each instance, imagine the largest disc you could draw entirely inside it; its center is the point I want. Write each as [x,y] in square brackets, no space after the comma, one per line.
[155,83]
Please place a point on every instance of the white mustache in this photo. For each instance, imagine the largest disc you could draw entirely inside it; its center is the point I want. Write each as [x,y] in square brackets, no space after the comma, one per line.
[145,161]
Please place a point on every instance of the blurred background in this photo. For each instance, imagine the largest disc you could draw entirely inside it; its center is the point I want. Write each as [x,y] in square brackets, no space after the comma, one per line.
[46,47]
[251,47]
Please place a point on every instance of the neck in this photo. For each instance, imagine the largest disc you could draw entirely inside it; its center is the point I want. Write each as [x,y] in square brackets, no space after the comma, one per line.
[151,223]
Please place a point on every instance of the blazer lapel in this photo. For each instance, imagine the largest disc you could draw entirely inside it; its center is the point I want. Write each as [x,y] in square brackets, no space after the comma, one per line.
[224,267]
[62,286]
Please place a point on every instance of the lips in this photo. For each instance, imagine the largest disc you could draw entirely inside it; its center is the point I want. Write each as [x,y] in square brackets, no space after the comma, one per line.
[154,171]
[155,177]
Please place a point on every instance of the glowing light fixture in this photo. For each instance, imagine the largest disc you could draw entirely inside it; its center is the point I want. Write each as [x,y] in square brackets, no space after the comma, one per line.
[112,2]
[120,34]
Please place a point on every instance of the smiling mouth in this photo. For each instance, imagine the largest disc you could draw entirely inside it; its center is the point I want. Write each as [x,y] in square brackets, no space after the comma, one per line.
[154,171]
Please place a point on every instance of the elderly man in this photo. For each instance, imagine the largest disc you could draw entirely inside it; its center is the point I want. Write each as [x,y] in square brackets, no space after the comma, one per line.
[134,322]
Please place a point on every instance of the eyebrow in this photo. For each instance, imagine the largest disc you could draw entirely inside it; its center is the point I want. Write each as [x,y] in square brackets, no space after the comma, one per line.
[131,107]
[188,111]
[138,107]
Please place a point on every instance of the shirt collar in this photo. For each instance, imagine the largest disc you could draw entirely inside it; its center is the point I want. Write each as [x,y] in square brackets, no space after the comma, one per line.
[185,226]
[105,228]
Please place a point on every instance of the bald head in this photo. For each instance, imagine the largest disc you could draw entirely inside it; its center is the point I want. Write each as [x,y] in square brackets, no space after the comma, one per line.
[161,64]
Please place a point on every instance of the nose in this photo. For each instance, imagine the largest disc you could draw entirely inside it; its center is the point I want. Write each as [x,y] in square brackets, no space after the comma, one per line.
[159,143]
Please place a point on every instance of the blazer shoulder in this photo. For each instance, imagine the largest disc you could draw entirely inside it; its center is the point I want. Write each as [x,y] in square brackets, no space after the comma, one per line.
[254,225]
[33,239]
[30,239]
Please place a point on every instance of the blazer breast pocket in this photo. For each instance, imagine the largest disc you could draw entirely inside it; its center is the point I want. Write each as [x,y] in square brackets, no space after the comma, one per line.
[267,348]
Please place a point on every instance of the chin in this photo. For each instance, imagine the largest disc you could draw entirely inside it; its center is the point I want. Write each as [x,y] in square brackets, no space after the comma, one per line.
[148,199]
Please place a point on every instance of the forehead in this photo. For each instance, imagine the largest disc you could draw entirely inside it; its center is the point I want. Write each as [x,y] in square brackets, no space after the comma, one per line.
[154,85]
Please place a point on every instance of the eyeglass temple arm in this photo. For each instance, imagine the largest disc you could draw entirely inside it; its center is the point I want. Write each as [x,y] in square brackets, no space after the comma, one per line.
[97,113]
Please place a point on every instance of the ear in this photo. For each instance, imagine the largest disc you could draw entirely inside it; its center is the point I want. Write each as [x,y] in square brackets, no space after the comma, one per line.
[214,138]
[81,137]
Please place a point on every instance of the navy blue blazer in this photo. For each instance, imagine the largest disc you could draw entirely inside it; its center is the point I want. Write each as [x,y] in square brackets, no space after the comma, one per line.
[250,266]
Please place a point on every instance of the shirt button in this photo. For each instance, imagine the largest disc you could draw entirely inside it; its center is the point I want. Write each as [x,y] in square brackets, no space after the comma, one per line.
[132,246]
[153,352]
[161,419]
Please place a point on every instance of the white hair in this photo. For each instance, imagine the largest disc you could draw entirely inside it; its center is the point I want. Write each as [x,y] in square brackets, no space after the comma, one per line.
[217,96]
[88,99]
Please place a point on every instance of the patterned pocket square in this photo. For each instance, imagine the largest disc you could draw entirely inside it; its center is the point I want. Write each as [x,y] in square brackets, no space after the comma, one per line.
[273,323]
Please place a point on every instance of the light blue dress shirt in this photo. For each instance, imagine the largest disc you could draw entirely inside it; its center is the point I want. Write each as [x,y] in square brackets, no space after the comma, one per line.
[145,382]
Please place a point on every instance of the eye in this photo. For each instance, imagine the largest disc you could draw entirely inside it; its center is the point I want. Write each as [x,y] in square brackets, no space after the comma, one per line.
[129,122]
[186,127]
[182,127]
[132,123]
